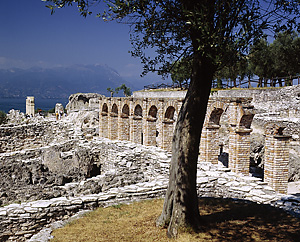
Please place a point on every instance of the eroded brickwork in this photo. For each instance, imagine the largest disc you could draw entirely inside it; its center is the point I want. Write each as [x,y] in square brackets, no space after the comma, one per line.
[141,120]
[151,121]
[276,158]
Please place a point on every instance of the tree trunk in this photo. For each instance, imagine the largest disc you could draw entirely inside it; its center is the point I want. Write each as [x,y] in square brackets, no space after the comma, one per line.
[181,202]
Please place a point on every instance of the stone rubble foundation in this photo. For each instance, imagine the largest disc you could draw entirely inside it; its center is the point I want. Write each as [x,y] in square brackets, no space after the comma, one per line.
[19,222]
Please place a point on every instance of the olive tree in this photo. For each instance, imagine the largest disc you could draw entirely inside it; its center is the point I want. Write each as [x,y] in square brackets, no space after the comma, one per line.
[207,31]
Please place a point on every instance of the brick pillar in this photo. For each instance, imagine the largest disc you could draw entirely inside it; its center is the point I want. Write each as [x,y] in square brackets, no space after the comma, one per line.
[168,131]
[239,150]
[203,145]
[150,132]
[136,129]
[269,159]
[209,146]
[243,150]
[124,129]
[159,123]
[232,149]
[276,167]
[103,131]
[113,126]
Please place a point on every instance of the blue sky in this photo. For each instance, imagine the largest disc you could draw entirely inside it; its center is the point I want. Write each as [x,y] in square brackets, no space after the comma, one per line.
[31,36]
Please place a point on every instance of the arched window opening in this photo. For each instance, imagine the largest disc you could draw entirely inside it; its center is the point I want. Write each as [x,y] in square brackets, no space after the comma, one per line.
[138,111]
[125,111]
[169,114]
[215,116]
[153,111]
[114,109]
[104,109]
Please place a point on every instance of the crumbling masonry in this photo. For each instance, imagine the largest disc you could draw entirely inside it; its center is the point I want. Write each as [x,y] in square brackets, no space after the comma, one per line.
[151,121]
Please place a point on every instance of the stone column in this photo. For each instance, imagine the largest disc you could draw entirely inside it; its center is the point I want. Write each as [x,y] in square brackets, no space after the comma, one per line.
[150,132]
[137,129]
[276,167]
[203,145]
[30,106]
[209,146]
[239,150]
[103,131]
[168,130]
[124,125]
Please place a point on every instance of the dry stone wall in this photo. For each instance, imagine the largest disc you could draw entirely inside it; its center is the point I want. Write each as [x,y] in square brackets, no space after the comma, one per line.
[69,170]
[25,135]
[133,172]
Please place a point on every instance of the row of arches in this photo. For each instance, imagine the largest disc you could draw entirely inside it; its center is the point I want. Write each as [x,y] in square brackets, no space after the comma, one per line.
[148,122]
[151,122]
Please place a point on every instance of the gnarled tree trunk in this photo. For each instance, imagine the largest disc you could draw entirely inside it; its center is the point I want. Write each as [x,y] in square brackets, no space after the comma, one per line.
[181,201]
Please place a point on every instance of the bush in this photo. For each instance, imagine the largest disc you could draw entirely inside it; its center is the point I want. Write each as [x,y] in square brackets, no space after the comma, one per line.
[3,118]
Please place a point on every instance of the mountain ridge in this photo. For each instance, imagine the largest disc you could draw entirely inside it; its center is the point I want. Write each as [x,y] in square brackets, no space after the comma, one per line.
[58,82]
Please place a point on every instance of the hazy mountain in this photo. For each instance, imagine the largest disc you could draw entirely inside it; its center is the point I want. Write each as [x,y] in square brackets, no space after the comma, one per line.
[58,82]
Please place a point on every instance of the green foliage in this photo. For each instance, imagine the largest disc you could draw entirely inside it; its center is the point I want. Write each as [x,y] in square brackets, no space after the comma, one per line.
[3,117]
[126,90]
[181,72]
[278,59]
[111,91]
[221,31]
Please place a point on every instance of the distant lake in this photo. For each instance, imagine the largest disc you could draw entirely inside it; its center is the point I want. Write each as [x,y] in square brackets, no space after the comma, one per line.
[7,104]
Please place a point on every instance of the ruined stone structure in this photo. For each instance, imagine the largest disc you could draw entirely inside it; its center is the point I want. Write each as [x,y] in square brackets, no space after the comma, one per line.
[144,121]
[67,170]
[276,158]
[240,113]
[151,121]
[30,106]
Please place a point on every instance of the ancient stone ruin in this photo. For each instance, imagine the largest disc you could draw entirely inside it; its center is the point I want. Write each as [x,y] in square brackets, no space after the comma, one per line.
[151,121]
[112,150]
[30,106]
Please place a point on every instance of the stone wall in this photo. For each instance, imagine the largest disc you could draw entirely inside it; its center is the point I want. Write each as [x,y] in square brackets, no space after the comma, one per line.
[144,121]
[157,93]
[17,137]
[68,170]
[153,119]
[132,172]
[279,106]
[83,101]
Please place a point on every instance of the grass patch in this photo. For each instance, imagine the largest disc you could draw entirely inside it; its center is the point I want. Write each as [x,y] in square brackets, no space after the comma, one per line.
[223,220]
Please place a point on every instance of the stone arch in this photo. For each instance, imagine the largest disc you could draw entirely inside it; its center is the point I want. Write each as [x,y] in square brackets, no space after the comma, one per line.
[168,128]
[151,129]
[153,111]
[137,125]
[113,134]
[114,109]
[124,130]
[214,113]
[244,117]
[125,111]
[169,114]
[105,108]
[104,121]
[209,145]
[138,111]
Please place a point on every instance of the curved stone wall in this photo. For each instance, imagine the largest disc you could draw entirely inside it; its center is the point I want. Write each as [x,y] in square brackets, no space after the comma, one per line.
[18,222]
